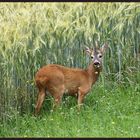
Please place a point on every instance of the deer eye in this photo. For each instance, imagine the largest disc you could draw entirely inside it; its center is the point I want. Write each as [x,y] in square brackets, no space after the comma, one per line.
[100,56]
[92,56]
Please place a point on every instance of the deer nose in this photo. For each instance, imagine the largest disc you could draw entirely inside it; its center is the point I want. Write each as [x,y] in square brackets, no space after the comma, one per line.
[96,63]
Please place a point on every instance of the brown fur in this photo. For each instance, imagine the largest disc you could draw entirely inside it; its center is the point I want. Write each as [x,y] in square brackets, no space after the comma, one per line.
[57,79]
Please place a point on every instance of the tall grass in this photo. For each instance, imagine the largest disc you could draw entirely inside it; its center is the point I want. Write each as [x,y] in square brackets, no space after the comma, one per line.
[105,114]
[36,34]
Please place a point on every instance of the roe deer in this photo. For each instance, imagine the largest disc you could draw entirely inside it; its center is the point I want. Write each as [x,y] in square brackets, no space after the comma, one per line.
[57,79]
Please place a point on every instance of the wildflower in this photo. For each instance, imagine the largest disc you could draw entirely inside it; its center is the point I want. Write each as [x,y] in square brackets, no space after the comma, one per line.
[78,130]
[113,122]
[62,113]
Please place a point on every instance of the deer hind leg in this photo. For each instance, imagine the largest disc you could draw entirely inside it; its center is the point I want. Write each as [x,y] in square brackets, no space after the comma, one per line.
[41,97]
[41,85]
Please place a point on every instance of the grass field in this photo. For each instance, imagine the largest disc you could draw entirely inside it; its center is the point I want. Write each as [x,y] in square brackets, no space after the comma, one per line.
[106,113]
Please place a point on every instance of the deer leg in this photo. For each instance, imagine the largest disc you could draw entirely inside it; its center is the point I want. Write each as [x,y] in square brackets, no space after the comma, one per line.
[81,94]
[58,96]
[41,97]
[57,101]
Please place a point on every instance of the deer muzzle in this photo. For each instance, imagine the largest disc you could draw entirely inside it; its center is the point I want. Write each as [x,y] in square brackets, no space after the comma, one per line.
[97,63]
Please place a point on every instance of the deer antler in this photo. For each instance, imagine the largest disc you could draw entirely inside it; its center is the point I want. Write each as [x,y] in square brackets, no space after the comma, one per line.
[96,44]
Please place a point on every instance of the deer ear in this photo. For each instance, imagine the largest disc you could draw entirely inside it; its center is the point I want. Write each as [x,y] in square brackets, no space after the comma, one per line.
[104,47]
[88,51]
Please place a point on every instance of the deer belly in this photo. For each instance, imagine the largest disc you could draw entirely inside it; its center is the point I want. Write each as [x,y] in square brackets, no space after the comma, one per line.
[71,91]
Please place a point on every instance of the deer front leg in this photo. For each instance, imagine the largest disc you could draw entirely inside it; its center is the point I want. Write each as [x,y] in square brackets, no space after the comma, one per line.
[80,100]
[57,102]
[81,95]
[58,94]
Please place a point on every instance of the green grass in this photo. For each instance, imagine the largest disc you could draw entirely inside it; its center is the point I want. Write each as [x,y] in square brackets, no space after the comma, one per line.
[106,113]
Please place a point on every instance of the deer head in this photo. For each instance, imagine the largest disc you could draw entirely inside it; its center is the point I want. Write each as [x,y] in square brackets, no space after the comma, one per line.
[96,54]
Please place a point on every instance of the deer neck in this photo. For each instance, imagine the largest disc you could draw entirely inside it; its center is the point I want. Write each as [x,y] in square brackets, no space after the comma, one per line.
[93,73]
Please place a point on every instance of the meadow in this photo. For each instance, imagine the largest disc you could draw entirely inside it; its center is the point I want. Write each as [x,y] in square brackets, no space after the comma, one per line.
[37,34]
